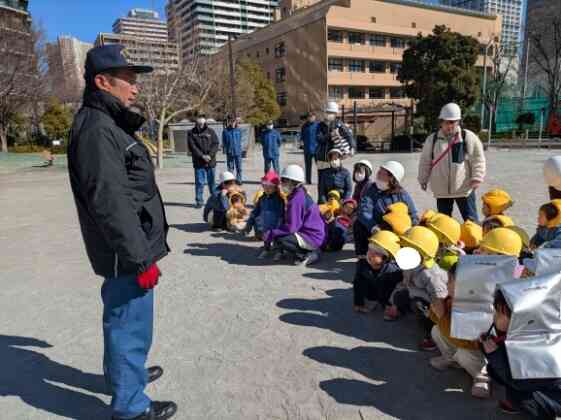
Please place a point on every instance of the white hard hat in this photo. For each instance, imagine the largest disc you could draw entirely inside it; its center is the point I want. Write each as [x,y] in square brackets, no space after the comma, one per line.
[294,173]
[450,112]
[332,108]
[365,163]
[227,176]
[394,168]
[335,150]
[552,172]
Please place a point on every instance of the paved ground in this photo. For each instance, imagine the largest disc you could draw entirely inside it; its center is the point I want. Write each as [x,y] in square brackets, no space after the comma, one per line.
[239,339]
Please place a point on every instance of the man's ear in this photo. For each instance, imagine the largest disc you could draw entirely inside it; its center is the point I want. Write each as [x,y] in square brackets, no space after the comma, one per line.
[102,82]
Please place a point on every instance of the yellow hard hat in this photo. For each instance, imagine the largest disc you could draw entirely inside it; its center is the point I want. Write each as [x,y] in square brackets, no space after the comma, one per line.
[398,207]
[427,215]
[497,201]
[505,221]
[446,228]
[386,240]
[523,235]
[471,234]
[399,222]
[556,221]
[334,194]
[502,241]
[424,241]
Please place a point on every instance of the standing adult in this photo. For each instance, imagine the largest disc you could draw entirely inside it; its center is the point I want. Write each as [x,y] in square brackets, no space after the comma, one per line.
[453,164]
[552,175]
[123,224]
[332,134]
[203,145]
[271,142]
[232,146]
[308,134]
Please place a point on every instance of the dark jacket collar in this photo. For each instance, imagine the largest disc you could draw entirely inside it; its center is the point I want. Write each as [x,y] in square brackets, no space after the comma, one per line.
[199,130]
[129,121]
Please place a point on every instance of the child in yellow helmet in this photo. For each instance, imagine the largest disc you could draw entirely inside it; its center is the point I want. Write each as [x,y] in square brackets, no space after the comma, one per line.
[397,218]
[377,275]
[471,236]
[548,233]
[496,202]
[497,221]
[449,232]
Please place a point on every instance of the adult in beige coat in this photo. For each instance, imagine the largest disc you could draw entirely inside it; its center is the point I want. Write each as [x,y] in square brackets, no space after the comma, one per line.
[453,165]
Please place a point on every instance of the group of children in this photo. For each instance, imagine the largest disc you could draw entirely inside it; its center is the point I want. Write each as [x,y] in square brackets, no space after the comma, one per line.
[406,264]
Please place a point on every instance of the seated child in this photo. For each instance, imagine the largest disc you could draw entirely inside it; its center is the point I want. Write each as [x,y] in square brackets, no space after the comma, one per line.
[471,235]
[268,212]
[421,286]
[330,210]
[237,214]
[339,229]
[540,398]
[456,352]
[449,232]
[303,231]
[426,216]
[495,202]
[548,234]
[378,275]
[397,218]
[493,222]
[218,203]
[503,241]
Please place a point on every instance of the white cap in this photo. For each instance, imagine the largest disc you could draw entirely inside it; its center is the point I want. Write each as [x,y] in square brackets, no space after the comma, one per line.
[332,108]
[335,150]
[294,173]
[227,176]
[552,172]
[365,163]
[408,258]
[450,112]
[394,168]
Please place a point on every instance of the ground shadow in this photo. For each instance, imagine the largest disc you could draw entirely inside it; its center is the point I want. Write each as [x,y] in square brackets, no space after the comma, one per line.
[29,375]
[405,386]
[230,252]
[334,312]
[333,266]
[192,227]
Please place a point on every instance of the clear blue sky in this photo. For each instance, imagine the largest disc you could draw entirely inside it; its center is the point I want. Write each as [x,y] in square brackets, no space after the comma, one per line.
[84,19]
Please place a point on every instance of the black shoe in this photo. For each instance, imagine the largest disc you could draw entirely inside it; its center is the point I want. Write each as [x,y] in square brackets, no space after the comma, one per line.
[158,410]
[198,206]
[154,373]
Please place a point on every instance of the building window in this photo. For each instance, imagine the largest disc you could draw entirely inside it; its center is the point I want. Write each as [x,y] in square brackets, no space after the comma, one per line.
[398,43]
[356,66]
[377,93]
[394,68]
[280,50]
[378,40]
[335,64]
[377,67]
[335,92]
[396,92]
[334,36]
[413,25]
[373,19]
[257,54]
[268,76]
[282,98]
[267,51]
[356,92]
[280,75]
[356,38]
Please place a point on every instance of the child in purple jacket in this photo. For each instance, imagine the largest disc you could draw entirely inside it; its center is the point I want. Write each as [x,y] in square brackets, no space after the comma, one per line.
[303,232]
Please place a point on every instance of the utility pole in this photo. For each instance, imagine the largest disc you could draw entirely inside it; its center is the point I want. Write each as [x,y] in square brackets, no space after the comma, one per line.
[232,78]
[484,84]
[525,83]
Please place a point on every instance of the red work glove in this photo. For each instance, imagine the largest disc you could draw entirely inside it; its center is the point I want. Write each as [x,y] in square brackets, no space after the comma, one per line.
[149,279]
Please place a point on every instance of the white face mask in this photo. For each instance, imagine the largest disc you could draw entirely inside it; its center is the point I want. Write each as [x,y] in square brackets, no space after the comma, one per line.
[331,117]
[382,185]
[360,176]
[287,188]
[270,127]
[201,122]
[335,163]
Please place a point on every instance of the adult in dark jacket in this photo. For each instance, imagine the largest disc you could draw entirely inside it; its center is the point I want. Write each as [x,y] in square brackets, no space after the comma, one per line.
[308,135]
[203,145]
[123,224]
[232,147]
[335,178]
[385,191]
[271,142]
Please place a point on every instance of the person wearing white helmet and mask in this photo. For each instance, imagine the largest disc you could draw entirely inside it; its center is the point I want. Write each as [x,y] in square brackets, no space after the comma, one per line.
[218,203]
[303,232]
[453,165]
[203,144]
[362,172]
[552,175]
[332,134]
[382,193]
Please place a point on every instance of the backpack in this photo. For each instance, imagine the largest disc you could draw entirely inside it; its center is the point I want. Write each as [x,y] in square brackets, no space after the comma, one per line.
[464,145]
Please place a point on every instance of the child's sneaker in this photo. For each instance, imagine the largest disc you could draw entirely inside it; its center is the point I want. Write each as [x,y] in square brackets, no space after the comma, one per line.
[278,256]
[427,345]
[264,253]
[481,388]
[443,363]
[507,407]
[391,313]
[312,258]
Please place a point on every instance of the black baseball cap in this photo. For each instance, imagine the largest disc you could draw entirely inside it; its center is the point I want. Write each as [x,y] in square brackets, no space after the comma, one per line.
[110,57]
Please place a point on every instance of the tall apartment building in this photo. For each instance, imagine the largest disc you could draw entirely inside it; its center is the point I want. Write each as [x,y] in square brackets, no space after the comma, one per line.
[145,37]
[66,58]
[203,26]
[349,51]
[511,12]
[142,23]
[16,44]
